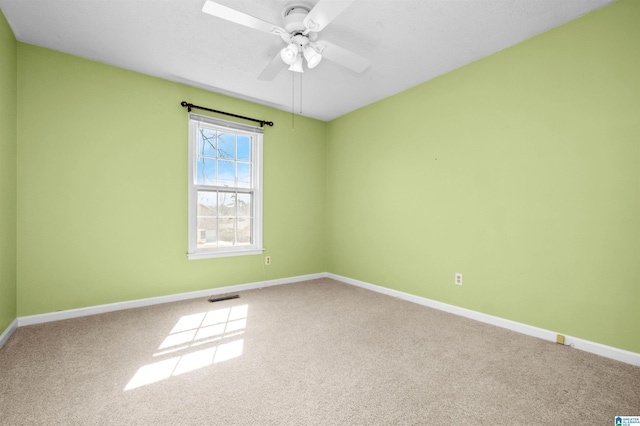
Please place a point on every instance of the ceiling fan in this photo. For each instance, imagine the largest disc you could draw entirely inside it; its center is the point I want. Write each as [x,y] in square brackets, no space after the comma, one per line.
[300,33]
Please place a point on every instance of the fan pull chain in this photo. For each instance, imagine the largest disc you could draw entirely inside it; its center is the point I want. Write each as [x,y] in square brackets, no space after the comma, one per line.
[300,93]
[293,88]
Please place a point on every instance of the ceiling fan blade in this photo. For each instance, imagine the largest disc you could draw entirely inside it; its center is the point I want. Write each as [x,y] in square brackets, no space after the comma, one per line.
[224,12]
[343,57]
[273,69]
[323,13]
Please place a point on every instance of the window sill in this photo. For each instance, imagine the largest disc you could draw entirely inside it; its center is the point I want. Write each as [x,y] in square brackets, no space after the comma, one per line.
[227,253]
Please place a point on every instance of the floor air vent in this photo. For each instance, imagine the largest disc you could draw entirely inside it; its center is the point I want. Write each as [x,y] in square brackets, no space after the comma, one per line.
[220,297]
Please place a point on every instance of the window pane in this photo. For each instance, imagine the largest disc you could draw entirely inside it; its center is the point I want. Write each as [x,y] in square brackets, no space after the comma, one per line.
[227,232]
[244,175]
[244,204]
[226,145]
[226,173]
[206,221]
[206,171]
[244,148]
[227,203]
[207,142]
[244,230]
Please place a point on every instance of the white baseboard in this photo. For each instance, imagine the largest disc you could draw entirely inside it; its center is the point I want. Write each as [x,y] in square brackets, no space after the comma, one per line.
[100,309]
[4,337]
[583,345]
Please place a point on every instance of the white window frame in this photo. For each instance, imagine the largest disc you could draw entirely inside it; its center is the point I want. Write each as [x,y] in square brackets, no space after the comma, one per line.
[195,122]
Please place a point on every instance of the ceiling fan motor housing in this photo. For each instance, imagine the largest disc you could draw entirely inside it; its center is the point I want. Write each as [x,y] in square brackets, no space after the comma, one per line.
[294,18]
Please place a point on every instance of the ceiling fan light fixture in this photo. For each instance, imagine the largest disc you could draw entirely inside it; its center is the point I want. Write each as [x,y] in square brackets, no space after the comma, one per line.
[289,54]
[312,56]
[297,65]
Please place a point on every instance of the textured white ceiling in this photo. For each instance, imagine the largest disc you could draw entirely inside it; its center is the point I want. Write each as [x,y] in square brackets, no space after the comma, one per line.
[407,41]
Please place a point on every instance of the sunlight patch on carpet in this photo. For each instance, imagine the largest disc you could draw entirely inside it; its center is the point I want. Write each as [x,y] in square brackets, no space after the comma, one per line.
[219,329]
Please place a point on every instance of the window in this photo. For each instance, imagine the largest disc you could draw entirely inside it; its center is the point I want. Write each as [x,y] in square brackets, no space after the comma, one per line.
[225,188]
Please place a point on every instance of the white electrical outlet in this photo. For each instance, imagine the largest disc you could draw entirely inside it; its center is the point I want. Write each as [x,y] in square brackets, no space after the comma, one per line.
[267,260]
[458,279]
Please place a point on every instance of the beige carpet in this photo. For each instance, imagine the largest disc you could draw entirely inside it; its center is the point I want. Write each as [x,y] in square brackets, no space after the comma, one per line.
[318,352]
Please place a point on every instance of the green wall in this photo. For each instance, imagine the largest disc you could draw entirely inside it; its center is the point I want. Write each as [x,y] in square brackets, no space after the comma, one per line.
[102,184]
[520,171]
[8,137]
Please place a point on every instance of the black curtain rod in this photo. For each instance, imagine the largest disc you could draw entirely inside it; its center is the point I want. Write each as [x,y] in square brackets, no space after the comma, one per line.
[191,106]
